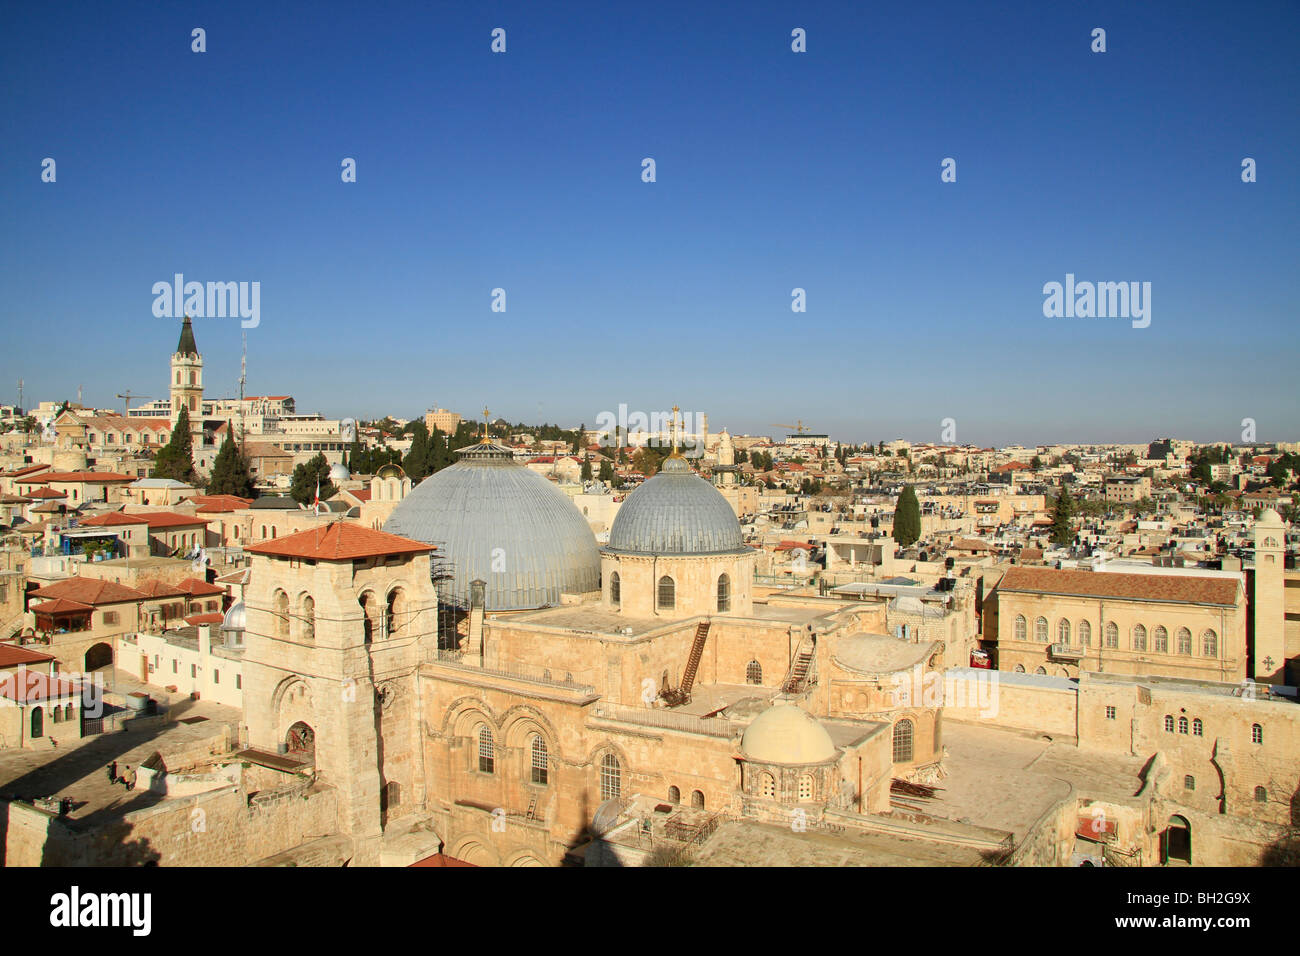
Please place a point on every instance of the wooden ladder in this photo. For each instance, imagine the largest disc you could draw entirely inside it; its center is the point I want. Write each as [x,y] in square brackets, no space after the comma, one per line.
[693,662]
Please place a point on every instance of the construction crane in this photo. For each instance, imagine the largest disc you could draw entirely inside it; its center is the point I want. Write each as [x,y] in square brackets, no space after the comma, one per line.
[798,429]
[126,397]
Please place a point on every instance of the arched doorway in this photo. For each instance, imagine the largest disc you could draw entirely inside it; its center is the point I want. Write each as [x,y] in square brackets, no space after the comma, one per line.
[300,741]
[99,655]
[1176,842]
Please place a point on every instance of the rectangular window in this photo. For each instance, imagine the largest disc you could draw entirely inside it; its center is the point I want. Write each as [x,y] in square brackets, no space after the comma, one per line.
[216,677]
[239,682]
[173,665]
[1110,713]
[194,671]
[110,617]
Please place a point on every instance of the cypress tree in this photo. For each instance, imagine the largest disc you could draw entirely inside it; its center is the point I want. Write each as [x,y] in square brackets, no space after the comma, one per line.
[907,518]
[230,474]
[176,458]
[1063,519]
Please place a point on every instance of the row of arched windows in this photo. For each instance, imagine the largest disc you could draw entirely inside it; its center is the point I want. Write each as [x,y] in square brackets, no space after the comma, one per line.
[767,786]
[666,593]
[697,797]
[1139,639]
[300,622]
[539,763]
[1198,729]
[57,714]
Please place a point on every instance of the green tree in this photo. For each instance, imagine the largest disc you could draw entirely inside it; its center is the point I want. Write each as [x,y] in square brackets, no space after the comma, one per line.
[586,469]
[607,472]
[306,478]
[1063,518]
[1036,464]
[907,518]
[176,458]
[416,462]
[230,473]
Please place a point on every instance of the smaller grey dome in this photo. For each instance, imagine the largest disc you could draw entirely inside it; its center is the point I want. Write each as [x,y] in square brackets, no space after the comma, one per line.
[676,512]
[235,617]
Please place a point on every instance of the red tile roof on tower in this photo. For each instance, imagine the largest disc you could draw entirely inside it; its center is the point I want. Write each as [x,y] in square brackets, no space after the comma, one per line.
[1171,588]
[339,541]
[89,591]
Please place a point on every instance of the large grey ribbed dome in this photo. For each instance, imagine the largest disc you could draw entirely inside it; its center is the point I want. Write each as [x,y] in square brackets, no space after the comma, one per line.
[676,512]
[496,521]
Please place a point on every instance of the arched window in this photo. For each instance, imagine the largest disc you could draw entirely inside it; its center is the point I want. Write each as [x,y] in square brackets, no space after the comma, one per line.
[697,799]
[1139,637]
[667,594]
[767,785]
[805,786]
[753,673]
[903,741]
[1020,628]
[611,778]
[281,608]
[674,796]
[1256,734]
[1184,641]
[67,711]
[1189,782]
[1040,630]
[58,714]
[367,625]
[724,594]
[1210,644]
[1182,725]
[1169,723]
[615,590]
[487,761]
[308,618]
[1063,632]
[1040,670]
[540,763]
[1162,640]
[1112,635]
[1085,634]
[395,612]
[38,723]
[1020,668]
[1261,795]
[1197,727]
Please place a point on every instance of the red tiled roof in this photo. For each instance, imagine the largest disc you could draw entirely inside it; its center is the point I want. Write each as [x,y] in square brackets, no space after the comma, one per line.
[442,859]
[361,494]
[1169,588]
[157,588]
[212,618]
[196,587]
[31,687]
[60,606]
[339,541]
[210,504]
[113,519]
[89,591]
[170,519]
[46,493]
[11,655]
[27,470]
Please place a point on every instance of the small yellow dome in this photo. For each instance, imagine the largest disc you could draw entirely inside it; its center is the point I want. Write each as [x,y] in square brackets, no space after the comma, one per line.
[787,734]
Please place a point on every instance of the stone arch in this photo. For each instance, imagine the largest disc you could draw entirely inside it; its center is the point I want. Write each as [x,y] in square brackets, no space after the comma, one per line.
[98,655]
[280,608]
[520,721]
[291,703]
[396,609]
[369,610]
[465,714]
[474,850]
[524,858]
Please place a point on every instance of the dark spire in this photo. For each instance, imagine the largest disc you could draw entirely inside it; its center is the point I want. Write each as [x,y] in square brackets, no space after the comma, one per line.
[186,345]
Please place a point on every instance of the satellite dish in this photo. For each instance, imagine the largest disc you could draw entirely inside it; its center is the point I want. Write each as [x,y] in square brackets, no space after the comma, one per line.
[606,817]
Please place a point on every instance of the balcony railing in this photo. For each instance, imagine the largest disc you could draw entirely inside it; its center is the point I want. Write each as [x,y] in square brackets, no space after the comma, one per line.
[1067,652]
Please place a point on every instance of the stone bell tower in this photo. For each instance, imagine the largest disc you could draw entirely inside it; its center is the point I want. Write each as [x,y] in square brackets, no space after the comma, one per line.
[1269,658]
[187,377]
[339,619]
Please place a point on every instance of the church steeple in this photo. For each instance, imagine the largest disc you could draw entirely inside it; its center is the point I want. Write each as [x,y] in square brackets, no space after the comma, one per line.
[186,346]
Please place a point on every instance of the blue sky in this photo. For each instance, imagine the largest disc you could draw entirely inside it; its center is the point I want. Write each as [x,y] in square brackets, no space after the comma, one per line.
[775,170]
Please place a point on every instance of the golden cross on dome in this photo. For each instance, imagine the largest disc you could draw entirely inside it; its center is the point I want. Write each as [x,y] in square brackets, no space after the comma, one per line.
[674,428]
[485,422]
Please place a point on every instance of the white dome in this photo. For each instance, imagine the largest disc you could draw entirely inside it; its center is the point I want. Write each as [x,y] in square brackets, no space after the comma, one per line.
[787,734]
[1270,517]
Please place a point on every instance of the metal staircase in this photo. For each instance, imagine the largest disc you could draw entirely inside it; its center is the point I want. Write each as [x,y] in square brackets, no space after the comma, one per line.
[681,695]
[801,669]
